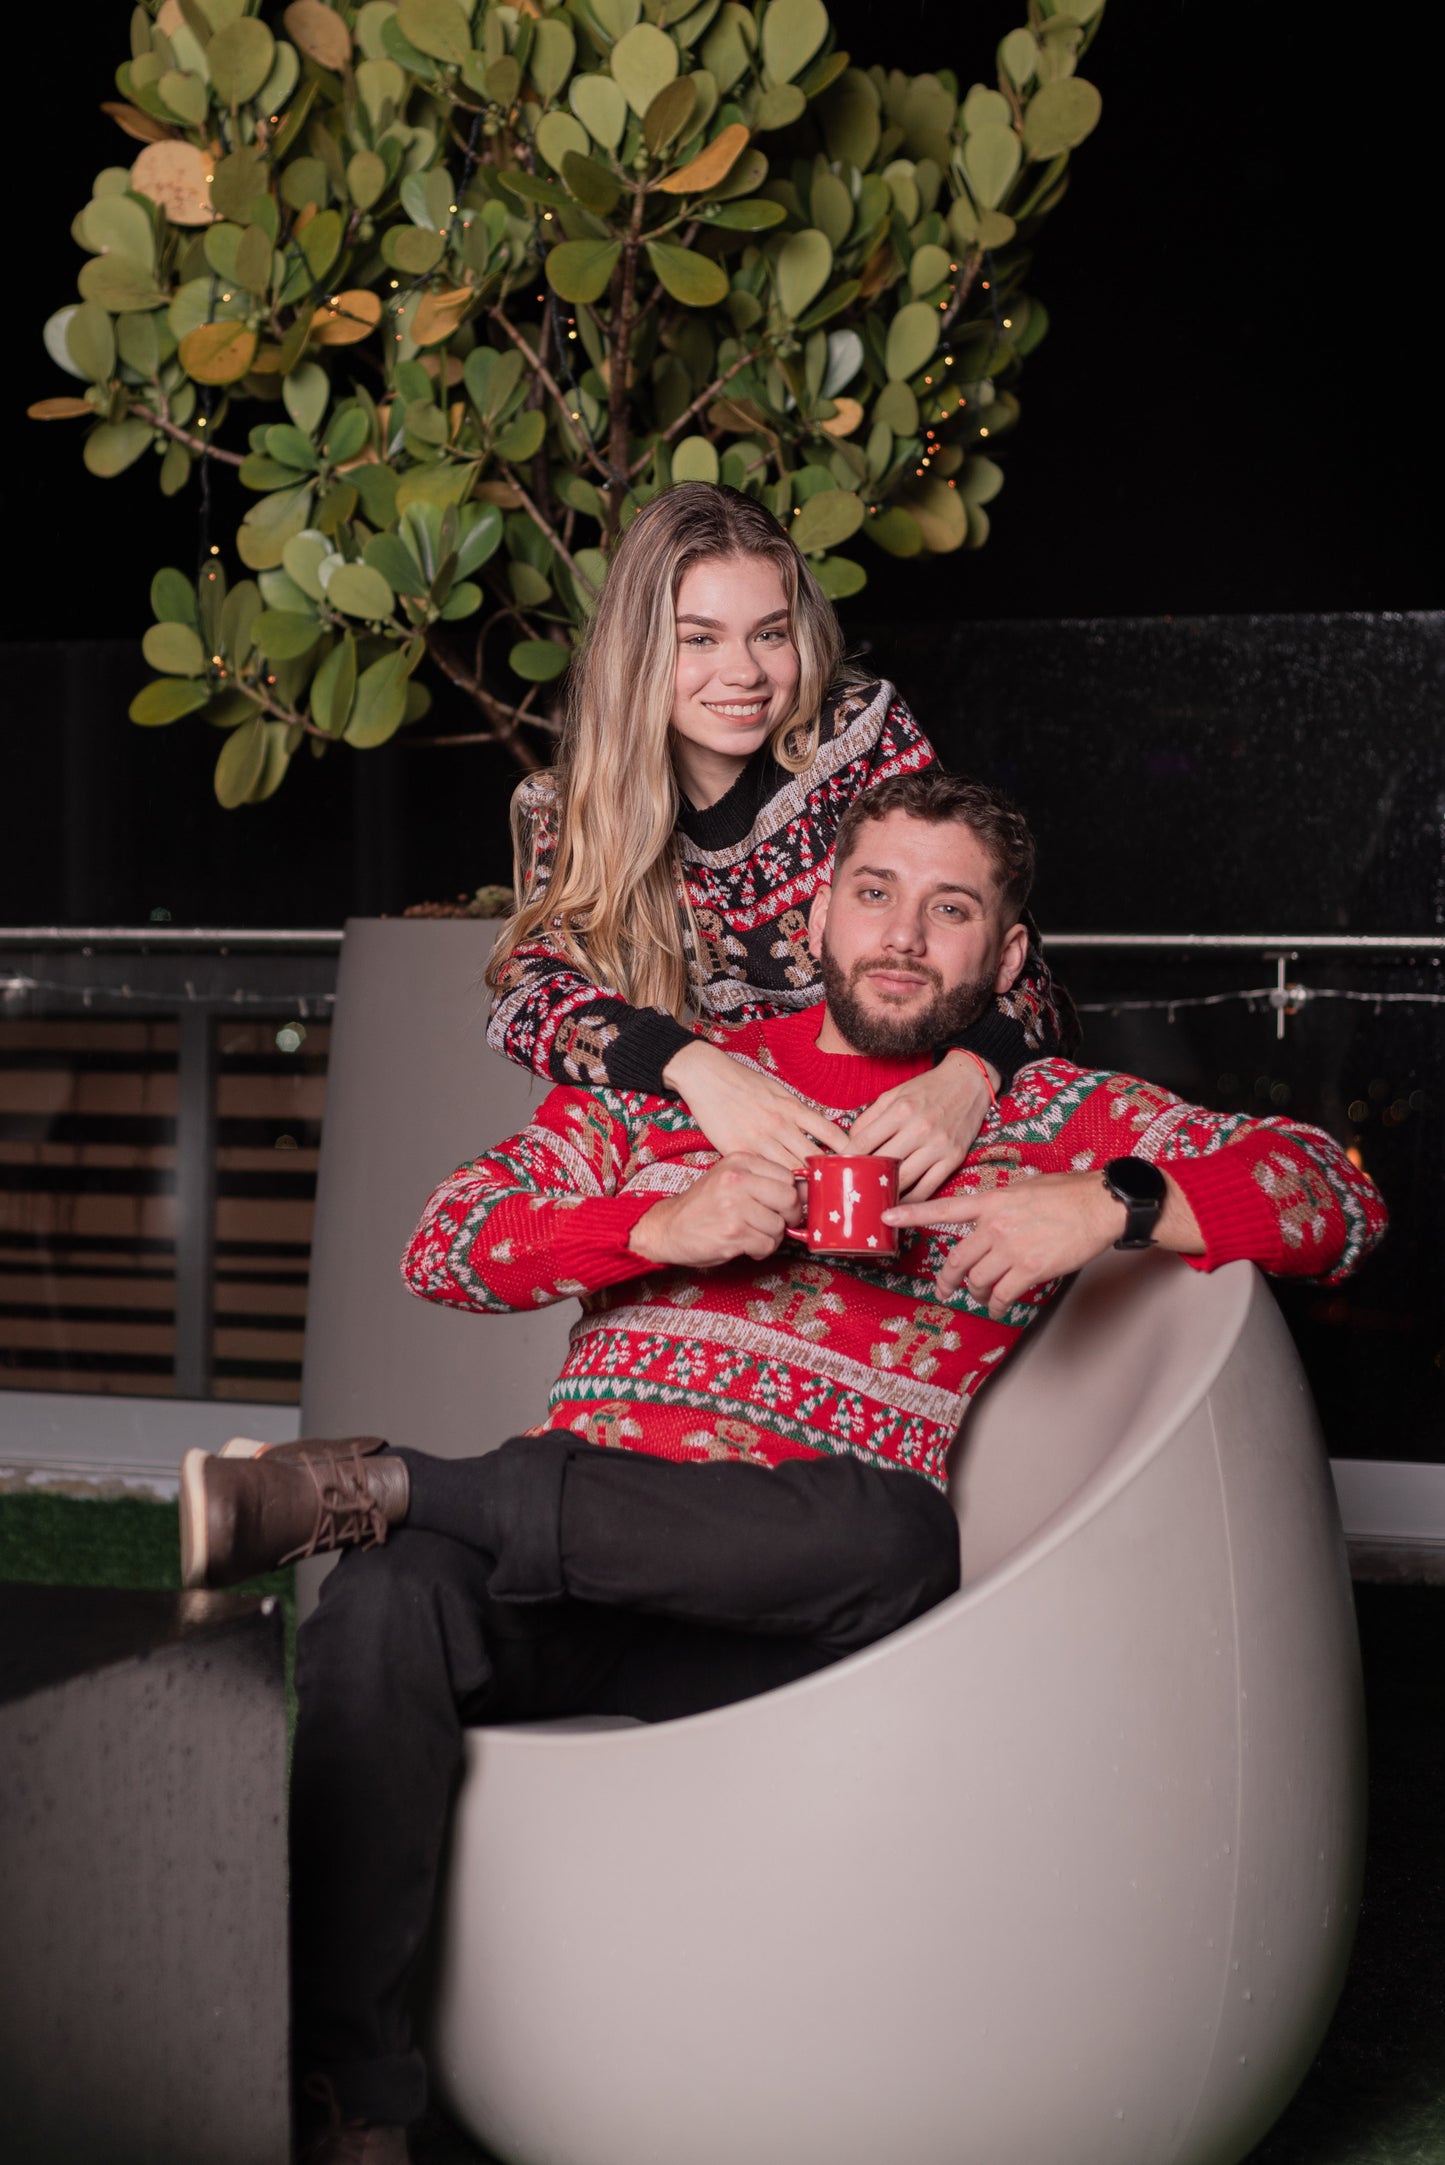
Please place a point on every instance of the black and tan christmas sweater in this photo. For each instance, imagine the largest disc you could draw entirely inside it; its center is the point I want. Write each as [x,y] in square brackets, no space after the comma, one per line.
[752,864]
[795,1356]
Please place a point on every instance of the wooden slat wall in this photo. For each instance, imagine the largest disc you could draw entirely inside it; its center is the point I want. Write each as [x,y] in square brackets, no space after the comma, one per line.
[87,1204]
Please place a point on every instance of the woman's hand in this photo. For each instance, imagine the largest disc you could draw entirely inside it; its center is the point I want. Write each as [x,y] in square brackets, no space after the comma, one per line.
[743,1112]
[928,1124]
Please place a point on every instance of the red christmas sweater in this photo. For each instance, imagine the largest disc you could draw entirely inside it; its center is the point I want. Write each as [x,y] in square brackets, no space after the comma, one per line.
[795,1356]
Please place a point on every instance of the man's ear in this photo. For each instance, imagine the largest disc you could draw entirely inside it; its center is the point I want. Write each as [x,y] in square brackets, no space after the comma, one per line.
[817,918]
[1012,957]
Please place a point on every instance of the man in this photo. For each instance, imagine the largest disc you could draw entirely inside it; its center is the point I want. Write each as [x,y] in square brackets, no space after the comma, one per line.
[741,1472]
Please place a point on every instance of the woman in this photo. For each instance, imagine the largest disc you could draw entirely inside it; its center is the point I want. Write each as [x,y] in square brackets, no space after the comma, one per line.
[714,739]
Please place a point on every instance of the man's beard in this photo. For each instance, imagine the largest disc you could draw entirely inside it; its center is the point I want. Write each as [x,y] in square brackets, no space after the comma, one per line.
[884,1036]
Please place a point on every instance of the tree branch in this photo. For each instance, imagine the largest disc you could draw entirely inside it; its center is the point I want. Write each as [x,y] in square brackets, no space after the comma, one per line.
[197,444]
[695,408]
[544,376]
[623,298]
[544,526]
[503,718]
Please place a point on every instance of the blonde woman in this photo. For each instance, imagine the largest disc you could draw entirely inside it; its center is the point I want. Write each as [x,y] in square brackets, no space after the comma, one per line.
[714,739]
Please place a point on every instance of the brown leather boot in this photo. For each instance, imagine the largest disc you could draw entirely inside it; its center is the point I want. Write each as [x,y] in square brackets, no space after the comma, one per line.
[244,1516]
[302,1447]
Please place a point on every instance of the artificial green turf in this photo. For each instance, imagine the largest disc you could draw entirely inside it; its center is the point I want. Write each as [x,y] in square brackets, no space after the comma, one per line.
[50,1540]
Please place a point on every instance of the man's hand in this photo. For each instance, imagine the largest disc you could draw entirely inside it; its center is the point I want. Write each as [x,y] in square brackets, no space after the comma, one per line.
[740,1206]
[928,1124]
[1024,1234]
[745,1114]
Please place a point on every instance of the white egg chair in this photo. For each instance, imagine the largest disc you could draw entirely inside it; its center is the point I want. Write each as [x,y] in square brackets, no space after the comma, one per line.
[1065,1873]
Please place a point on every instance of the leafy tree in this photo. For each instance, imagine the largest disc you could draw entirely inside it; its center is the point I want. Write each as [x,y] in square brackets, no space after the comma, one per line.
[480,279]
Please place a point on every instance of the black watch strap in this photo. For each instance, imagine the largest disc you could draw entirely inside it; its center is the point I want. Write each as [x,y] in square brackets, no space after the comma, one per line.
[1139,1186]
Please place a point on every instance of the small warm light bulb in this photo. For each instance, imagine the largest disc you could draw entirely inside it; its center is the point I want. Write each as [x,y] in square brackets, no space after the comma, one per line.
[983,432]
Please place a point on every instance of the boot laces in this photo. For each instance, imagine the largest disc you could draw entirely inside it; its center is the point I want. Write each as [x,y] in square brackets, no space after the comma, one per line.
[347,1511]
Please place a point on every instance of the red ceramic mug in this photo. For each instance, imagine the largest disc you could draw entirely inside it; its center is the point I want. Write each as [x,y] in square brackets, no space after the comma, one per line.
[846,1201]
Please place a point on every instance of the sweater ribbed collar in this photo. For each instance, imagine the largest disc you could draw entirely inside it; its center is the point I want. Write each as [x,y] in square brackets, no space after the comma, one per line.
[733,816]
[846,1081]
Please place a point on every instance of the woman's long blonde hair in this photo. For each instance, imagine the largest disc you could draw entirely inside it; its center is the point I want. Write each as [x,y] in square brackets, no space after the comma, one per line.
[615,899]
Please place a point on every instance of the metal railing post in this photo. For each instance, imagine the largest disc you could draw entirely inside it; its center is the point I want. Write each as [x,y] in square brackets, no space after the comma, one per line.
[195,1201]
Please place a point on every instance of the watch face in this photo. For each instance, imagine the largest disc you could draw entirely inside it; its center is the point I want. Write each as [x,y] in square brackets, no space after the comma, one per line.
[1134,1180]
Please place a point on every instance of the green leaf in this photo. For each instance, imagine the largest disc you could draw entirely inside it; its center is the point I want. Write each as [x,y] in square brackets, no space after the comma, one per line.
[239,612]
[389,554]
[778,108]
[481,532]
[557,133]
[985,108]
[90,342]
[693,279]
[347,436]
[669,114]
[173,601]
[301,560]
[832,208]
[255,260]
[643,62]
[533,188]
[464,600]
[831,304]
[990,159]
[54,335]
[166,700]
[119,283]
[980,480]
[410,249]
[438,27]
[801,269]
[283,635]
[235,184]
[334,687]
[321,242]
[839,577]
[241,764]
[491,378]
[115,445]
[379,708]
[897,407]
[174,649]
[522,438]
[694,459]
[896,531]
[826,519]
[792,32]
[554,48]
[601,108]
[928,268]
[1059,116]
[239,58]
[849,114]
[540,661]
[377,487]
[360,590]
[754,214]
[291,447]
[1018,57]
[117,225]
[365,178]
[581,270]
[531,589]
[275,763]
[912,339]
[591,183]
[269,525]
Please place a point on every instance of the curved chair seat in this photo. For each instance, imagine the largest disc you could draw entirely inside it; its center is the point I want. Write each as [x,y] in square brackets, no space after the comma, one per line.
[1065,1873]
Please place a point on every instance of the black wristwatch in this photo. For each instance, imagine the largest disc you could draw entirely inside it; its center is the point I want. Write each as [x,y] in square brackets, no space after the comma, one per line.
[1139,1186]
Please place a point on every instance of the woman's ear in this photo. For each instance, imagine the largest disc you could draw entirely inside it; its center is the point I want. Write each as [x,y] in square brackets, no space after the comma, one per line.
[1012,957]
[817,918]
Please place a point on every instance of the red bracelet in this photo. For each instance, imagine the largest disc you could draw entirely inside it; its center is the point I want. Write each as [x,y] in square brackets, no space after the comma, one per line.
[982,1069]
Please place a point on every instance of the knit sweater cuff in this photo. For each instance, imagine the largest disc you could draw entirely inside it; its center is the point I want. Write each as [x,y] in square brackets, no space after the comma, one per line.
[995,1037]
[593,1241]
[644,1044]
[1236,1219]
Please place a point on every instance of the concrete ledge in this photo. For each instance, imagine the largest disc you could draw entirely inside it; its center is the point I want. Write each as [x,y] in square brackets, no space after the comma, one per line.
[104,1444]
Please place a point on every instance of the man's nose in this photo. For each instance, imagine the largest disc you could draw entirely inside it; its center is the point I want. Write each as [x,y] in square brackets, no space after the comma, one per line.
[905,933]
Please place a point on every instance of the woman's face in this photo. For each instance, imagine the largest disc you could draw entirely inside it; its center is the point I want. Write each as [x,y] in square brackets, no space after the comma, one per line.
[737,669]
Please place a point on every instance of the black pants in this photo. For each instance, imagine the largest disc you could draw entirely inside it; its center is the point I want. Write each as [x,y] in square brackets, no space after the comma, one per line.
[547,1578]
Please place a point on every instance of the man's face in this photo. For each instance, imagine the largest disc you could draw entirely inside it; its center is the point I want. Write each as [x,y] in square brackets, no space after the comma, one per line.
[912,938]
